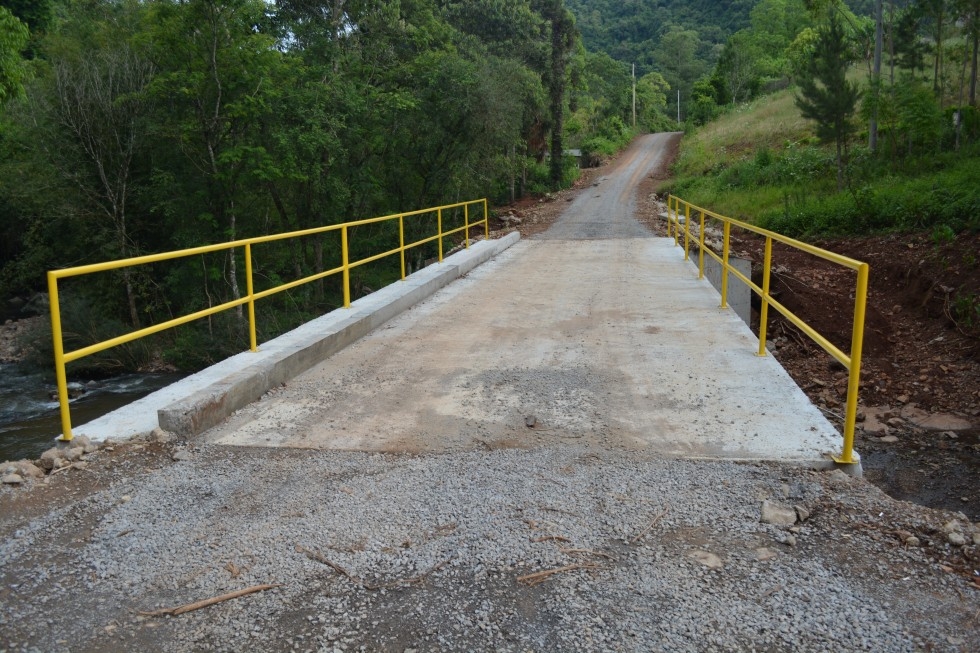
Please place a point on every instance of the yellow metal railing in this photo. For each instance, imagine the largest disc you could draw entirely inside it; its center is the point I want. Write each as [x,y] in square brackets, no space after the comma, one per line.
[62,358]
[851,362]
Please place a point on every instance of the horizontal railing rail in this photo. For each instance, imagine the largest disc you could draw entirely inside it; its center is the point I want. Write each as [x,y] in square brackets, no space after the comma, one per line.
[62,358]
[851,361]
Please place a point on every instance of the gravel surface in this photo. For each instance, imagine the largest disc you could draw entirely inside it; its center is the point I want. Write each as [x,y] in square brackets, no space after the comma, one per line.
[398,552]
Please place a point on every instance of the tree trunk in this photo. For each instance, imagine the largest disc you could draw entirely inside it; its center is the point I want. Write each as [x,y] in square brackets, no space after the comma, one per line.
[840,166]
[876,77]
[973,65]
[236,292]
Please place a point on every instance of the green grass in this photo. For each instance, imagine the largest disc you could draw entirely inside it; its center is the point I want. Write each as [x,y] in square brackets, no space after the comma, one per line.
[762,163]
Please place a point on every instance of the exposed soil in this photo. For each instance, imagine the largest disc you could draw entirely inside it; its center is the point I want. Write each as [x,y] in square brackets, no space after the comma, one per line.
[919,430]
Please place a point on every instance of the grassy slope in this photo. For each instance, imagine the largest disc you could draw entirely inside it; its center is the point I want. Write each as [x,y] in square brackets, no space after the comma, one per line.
[761,162]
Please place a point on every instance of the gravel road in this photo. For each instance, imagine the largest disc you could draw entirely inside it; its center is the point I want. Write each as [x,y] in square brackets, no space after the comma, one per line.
[580,545]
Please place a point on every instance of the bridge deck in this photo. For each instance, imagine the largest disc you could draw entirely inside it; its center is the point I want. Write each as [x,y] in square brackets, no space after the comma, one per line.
[597,329]
[609,341]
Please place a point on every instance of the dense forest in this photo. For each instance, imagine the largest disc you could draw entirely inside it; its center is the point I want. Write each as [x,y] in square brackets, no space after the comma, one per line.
[136,126]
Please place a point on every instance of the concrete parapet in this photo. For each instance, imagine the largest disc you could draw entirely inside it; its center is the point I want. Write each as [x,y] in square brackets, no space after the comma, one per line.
[202,400]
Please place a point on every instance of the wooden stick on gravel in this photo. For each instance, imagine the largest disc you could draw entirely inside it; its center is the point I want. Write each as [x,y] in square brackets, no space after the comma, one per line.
[652,524]
[541,576]
[197,605]
[589,552]
[322,559]
[551,538]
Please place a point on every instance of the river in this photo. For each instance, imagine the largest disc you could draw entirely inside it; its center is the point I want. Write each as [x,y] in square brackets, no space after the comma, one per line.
[29,417]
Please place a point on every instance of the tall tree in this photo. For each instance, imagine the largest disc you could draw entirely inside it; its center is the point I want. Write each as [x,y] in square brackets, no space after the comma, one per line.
[102,107]
[13,39]
[563,36]
[826,96]
[876,75]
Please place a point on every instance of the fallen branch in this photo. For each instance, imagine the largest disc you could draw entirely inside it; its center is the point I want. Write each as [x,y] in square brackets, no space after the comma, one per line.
[541,576]
[197,605]
[551,538]
[323,560]
[313,555]
[770,592]
[646,530]
[589,552]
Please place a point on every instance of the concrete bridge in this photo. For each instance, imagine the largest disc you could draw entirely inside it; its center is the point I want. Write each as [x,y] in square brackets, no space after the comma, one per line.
[596,332]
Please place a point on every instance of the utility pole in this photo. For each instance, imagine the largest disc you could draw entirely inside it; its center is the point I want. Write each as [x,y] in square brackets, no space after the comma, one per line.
[634,96]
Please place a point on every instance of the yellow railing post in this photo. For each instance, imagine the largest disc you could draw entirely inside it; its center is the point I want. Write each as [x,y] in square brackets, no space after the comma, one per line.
[401,242]
[346,264]
[687,232]
[59,358]
[677,225]
[670,212]
[701,247]
[854,379]
[439,218]
[486,220]
[726,248]
[764,311]
[466,223]
[252,342]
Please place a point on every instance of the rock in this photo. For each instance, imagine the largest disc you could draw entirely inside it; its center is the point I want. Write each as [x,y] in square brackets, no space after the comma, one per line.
[952,526]
[91,448]
[777,514]
[49,457]
[790,540]
[956,539]
[976,538]
[950,435]
[73,454]
[890,439]
[182,454]
[709,560]
[903,399]
[801,513]
[839,476]
[896,422]
[12,479]
[24,468]
[161,436]
[764,554]
[81,464]
[912,540]
[530,421]
[80,441]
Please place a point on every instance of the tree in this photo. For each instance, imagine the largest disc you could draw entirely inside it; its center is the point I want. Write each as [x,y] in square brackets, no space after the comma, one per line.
[102,105]
[826,96]
[13,39]
[678,61]
[876,75]
[563,35]
[738,67]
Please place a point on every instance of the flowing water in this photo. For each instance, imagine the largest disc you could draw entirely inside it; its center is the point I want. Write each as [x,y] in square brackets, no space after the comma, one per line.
[29,417]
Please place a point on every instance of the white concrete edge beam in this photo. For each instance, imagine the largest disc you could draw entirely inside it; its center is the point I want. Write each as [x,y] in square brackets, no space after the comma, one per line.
[202,400]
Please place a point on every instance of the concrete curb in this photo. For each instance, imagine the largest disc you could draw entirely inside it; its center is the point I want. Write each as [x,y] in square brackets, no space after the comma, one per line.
[202,400]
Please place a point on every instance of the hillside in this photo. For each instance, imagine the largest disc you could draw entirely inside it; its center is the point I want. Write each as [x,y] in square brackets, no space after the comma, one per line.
[631,31]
